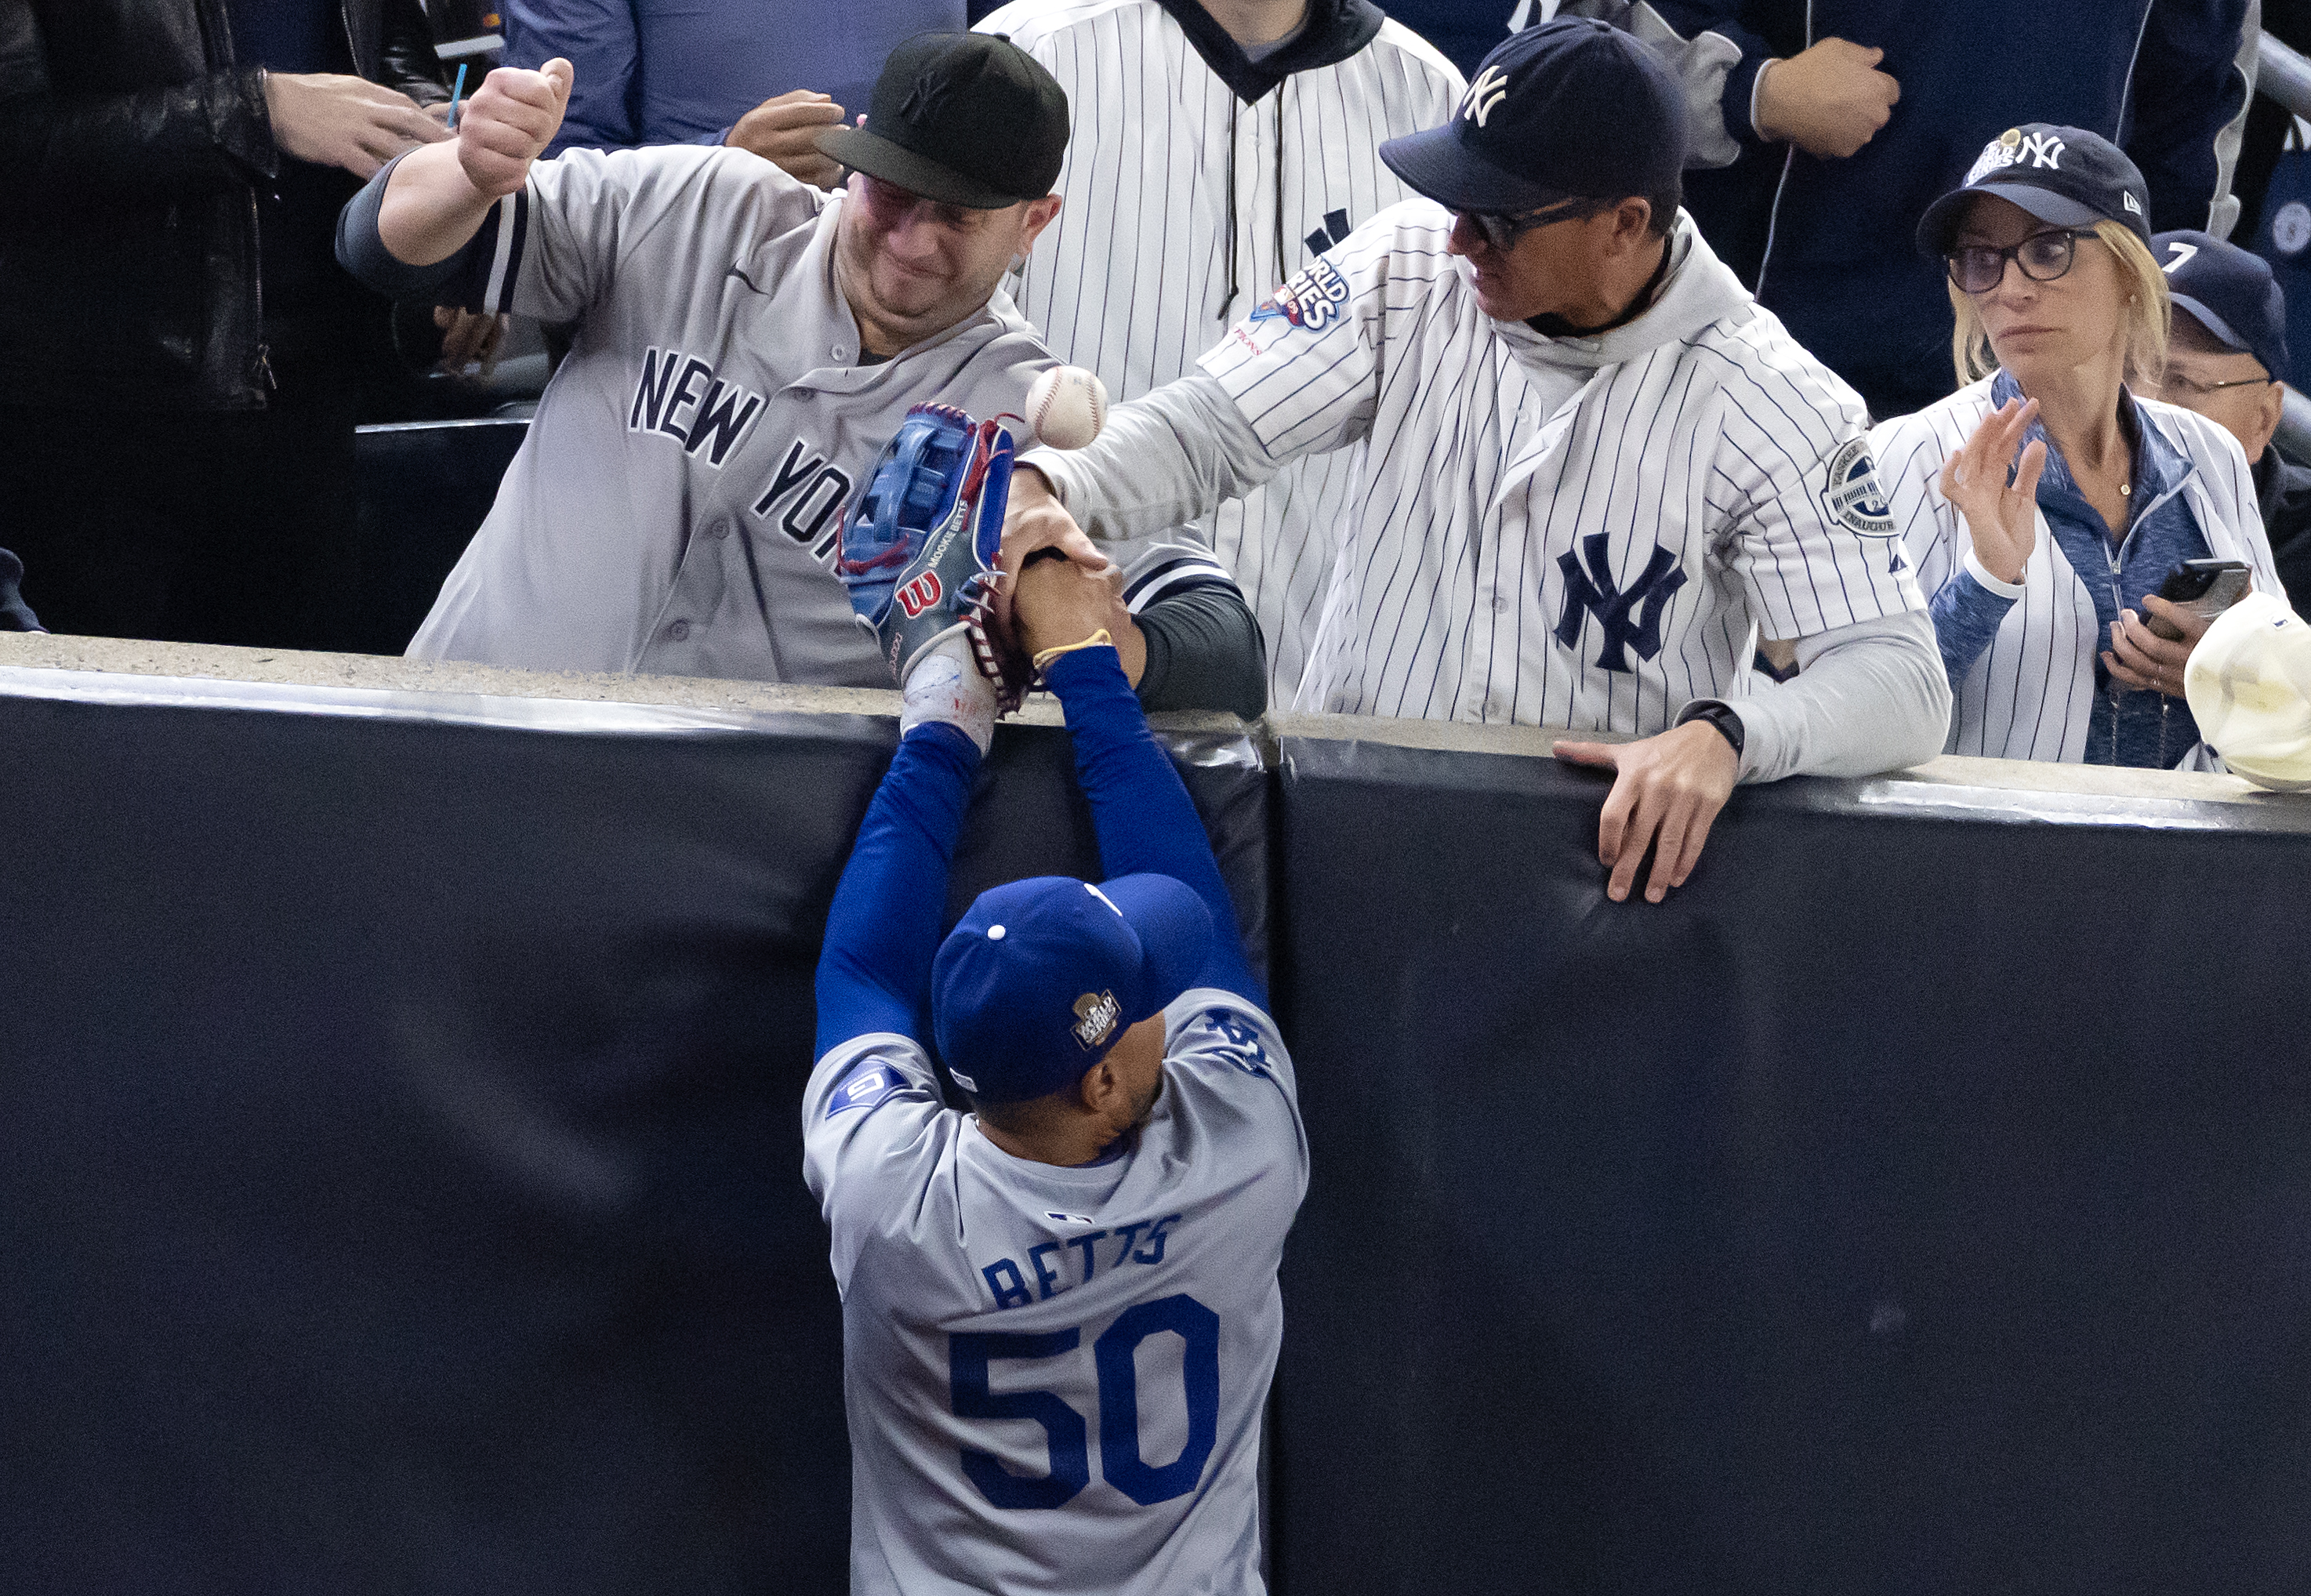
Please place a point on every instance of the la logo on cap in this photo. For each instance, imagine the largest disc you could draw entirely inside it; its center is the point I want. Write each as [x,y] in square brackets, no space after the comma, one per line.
[1491,87]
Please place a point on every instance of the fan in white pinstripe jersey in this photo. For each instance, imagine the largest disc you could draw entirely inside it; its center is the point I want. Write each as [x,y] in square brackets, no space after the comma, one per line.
[1588,472]
[1198,179]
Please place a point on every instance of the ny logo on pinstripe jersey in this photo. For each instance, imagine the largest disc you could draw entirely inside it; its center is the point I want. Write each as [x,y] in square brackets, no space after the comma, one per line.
[1592,592]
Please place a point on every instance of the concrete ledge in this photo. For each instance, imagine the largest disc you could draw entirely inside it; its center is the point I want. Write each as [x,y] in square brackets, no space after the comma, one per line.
[728,702]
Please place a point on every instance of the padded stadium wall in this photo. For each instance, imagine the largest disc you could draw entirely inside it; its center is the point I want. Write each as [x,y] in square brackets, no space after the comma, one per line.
[399,1167]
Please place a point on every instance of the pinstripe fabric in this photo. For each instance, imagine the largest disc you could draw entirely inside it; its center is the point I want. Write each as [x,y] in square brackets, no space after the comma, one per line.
[2030,694]
[1508,488]
[1133,282]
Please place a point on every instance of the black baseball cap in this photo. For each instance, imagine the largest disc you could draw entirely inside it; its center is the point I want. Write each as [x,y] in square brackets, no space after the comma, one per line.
[2066,177]
[2230,292]
[967,119]
[1571,109]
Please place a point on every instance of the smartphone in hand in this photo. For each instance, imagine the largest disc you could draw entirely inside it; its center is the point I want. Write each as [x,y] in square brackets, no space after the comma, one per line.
[2204,587]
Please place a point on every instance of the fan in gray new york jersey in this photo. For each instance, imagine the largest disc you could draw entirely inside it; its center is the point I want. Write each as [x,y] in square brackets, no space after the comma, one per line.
[745,346]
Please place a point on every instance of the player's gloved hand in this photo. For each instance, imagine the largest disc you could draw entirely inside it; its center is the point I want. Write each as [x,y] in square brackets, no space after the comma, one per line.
[509,122]
[2141,658]
[1035,520]
[784,131]
[1059,602]
[333,119]
[918,551]
[1667,792]
[1829,100]
[2001,520]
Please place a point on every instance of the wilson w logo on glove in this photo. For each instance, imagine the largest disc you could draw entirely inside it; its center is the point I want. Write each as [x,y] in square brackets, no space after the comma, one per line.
[919,553]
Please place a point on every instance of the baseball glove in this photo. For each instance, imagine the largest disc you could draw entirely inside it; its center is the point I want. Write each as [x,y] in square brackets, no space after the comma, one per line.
[919,552]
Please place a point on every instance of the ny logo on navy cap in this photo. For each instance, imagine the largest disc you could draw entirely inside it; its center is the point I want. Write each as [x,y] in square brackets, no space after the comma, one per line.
[1571,109]
[2066,177]
[1491,87]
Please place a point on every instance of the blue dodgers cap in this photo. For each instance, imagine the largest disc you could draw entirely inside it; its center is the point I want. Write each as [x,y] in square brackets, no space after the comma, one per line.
[1034,986]
[2066,177]
[2230,292]
[1571,109]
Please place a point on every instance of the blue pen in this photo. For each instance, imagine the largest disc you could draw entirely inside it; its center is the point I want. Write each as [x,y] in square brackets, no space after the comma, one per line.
[457,93]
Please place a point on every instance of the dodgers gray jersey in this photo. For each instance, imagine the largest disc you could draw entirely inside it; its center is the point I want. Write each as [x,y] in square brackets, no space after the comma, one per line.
[1055,1377]
[675,506]
[1185,205]
[1573,532]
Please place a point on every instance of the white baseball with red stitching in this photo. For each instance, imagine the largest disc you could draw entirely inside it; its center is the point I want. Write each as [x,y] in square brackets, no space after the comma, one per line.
[1067,407]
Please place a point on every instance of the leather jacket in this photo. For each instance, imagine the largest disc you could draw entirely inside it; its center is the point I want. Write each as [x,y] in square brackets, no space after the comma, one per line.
[132,151]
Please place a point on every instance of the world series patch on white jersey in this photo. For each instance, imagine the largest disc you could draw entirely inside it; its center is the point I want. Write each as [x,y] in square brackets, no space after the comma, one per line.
[1055,1377]
[1560,531]
[1186,206]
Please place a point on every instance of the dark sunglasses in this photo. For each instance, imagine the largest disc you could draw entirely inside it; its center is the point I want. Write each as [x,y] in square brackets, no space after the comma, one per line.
[2043,257]
[1502,232]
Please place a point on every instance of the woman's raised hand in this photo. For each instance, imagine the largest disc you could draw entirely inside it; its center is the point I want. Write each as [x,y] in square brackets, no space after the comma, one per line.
[2002,518]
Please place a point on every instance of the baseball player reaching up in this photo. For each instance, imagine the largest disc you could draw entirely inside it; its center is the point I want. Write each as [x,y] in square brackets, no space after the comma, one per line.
[745,344]
[1591,475]
[1060,1310]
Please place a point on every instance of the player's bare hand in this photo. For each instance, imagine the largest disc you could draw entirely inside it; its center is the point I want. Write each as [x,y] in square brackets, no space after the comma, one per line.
[333,119]
[2140,658]
[785,132]
[509,122]
[1667,792]
[467,337]
[1058,602]
[2002,518]
[1829,100]
[1033,518]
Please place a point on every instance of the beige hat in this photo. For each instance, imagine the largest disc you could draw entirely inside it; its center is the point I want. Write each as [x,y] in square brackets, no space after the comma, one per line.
[2249,686]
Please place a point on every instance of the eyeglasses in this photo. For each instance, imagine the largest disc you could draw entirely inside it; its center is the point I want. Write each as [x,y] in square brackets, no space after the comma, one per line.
[1503,230]
[1978,268]
[892,204]
[2174,382]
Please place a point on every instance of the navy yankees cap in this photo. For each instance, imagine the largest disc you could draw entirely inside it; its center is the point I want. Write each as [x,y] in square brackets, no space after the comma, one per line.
[1034,986]
[2230,292]
[2066,177]
[1571,109]
[967,119]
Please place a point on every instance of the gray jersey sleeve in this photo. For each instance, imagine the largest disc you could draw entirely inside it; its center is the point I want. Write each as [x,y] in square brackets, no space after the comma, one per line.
[873,1126]
[588,219]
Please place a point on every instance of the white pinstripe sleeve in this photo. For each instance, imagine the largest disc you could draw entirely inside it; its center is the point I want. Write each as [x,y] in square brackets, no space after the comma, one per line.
[1304,367]
[1812,543]
[1910,452]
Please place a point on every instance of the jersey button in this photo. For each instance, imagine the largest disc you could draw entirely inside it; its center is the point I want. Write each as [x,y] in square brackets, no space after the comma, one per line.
[1500,604]
[678,630]
[718,530]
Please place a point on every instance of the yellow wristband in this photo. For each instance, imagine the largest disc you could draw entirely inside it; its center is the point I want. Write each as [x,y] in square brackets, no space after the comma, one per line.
[1098,639]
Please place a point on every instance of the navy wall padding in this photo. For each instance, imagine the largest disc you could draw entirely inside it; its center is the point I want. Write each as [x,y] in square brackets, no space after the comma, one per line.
[1919,1201]
[399,1160]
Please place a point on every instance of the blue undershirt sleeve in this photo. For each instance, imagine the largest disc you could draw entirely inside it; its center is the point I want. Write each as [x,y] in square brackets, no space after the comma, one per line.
[883,931]
[1144,820]
[1967,616]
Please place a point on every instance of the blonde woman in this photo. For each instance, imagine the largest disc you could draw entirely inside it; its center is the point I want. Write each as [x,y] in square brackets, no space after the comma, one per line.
[2045,503]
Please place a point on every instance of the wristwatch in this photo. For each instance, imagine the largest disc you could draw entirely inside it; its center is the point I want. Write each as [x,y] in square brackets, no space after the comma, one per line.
[1724,717]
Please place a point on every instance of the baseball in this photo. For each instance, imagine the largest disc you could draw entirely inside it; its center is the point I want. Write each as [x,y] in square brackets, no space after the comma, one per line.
[1067,407]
